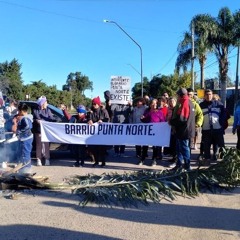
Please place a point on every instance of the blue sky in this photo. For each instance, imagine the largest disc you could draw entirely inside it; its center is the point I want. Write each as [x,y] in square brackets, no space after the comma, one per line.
[52,38]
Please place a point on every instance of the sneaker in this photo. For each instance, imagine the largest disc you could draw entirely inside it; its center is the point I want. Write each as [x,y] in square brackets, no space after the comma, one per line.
[47,162]
[206,162]
[140,163]
[172,165]
[154,163]
[39,162]
[81,164]
[76,164]
[187,167]
[177,168]
[95,164]
[215,157]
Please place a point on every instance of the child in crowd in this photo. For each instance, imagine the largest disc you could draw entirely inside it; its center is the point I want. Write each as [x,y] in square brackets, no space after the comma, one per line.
[22,126]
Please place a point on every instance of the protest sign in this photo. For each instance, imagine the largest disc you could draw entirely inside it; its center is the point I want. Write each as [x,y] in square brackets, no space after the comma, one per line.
[120,89]
[155,134]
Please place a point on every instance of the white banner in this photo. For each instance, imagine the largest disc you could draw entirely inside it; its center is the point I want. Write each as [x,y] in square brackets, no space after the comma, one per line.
[154,134]
[120,89]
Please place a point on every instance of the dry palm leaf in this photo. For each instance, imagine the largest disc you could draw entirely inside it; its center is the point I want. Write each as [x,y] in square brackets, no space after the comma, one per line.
[143,186]
[129,189]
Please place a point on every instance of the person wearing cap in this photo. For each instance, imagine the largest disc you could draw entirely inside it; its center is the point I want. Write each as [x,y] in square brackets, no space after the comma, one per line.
[214,117]
[43,113]
[79,150]
[97,115]
[183,121]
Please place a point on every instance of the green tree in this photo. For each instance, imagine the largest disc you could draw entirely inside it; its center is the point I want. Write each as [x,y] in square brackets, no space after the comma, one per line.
[39,88]
[137,88]
[11,80]
[170,84]
[77,81]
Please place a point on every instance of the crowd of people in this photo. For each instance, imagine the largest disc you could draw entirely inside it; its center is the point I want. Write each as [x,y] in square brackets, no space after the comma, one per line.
[184,113]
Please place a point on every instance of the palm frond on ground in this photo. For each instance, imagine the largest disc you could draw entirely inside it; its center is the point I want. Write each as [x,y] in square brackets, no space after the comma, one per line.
[130,189]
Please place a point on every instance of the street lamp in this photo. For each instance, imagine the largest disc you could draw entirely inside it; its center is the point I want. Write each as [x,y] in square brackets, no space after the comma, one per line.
[109,21]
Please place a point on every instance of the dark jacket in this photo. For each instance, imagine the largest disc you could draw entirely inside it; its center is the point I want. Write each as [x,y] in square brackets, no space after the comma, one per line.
[185,129]
[41,114]
[120,113]
[98,114]
[76,119]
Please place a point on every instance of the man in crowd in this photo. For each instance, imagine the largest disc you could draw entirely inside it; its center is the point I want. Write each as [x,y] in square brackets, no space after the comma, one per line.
[213,124]
[183,121]
[198,117]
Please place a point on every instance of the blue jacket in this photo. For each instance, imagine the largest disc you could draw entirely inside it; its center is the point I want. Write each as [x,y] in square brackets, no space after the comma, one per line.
[24,128]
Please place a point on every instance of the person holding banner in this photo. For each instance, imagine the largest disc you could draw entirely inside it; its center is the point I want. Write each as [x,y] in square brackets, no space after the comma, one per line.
[79,150]
[136,115]
[43,113]
[120,114]
[152,115]
[97,115]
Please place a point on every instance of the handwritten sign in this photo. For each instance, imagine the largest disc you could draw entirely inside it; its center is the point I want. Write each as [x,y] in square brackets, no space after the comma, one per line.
[120,89]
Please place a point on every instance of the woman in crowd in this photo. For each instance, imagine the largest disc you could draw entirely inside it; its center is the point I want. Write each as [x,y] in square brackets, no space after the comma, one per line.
[172,148]
[97,115]
[152,115]
[43,113]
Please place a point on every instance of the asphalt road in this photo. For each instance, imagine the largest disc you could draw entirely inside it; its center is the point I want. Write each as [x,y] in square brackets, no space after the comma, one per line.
[38,215]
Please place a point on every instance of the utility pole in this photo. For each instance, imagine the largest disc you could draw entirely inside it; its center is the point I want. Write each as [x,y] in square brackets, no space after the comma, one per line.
[141,61]
[236,82]
[192,59]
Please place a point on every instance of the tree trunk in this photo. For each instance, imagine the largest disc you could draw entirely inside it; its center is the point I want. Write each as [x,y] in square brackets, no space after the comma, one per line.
[223,69]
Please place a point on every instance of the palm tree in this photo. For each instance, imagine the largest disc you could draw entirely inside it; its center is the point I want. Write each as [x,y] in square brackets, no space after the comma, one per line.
[201,48]
[221,33]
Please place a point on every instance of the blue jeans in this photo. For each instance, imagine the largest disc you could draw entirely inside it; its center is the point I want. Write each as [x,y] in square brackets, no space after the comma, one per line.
[183,153]
[25,150]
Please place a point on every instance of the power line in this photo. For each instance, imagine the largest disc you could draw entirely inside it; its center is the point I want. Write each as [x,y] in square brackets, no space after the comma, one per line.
[81,19]
[166,64]
[50,12]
